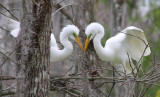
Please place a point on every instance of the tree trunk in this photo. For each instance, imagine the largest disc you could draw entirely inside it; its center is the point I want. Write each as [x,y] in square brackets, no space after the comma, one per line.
[33,48]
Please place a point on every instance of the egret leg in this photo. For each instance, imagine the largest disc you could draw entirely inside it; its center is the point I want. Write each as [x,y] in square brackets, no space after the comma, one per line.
[112,84]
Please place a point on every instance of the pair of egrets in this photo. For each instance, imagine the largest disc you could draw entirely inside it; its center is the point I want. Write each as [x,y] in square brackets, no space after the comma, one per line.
[129,44]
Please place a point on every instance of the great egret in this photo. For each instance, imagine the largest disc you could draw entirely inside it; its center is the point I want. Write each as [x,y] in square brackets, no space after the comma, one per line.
[130,43]
[70,31]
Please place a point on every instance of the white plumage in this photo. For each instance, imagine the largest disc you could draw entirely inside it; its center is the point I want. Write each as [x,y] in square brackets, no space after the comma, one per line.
[131,40]
[13,26]
[56,54]
[15,32]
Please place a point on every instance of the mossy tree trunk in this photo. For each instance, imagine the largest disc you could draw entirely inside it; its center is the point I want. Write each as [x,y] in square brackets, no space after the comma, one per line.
[33,48]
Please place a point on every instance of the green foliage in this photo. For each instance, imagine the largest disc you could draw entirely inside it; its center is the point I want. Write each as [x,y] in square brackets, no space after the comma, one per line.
[133,16]
[156,17]
[152,92]
[131,4]
[103,1]
[146,62]
[150,23]
[107,35]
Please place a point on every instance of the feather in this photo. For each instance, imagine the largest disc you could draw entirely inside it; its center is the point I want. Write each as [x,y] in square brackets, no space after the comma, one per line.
[12,24]
[135,42]
[14,32]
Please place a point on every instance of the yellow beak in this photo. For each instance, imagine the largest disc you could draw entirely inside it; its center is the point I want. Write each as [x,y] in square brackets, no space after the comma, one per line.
[79,43]
[86,44]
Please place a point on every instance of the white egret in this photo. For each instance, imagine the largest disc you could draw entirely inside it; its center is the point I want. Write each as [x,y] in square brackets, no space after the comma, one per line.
[130,43]
[56,54]
[70,31]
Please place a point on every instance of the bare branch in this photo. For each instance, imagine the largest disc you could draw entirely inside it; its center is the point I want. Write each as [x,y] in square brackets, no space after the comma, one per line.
[66,13]
[9,11]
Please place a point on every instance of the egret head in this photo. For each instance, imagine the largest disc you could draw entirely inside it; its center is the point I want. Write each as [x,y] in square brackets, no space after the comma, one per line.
[72,32]
[92,30]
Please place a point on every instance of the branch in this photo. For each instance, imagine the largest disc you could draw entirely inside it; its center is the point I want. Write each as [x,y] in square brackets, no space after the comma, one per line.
[7,78]
[5,93]
[66,13]
[9,11]
[4,29]
[90,78]
[7,57]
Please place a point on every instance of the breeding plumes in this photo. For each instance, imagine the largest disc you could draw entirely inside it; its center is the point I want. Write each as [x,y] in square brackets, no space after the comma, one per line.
[56,54]
[129,44]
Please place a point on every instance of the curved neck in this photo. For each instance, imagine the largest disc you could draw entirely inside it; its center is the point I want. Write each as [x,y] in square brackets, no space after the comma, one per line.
[104,53]
[67,50]
[68,47]
[57,54]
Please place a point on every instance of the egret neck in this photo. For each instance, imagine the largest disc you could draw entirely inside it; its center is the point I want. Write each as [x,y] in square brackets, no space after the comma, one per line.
[103,53]
[68,47]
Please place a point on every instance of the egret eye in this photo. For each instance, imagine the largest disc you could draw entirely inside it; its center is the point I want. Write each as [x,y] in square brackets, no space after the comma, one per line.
[75,35]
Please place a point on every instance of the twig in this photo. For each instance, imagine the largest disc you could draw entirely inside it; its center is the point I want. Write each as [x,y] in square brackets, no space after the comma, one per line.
[141,90]
[7,78]
[142,56]
[151,70]
[70,93]
[9,11]
[4,29]
[13,86]
[7,93]
[66,13]
[7,57]
[145,91]
[90,78]
[62,8]
[131,65]
[7,16]
[35,2]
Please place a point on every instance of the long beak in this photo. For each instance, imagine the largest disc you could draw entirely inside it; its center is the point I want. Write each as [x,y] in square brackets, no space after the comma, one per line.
[79,43]
[86,44]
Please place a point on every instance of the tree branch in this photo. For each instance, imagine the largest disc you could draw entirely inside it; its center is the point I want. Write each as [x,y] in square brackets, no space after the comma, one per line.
[66,13]
[9,11]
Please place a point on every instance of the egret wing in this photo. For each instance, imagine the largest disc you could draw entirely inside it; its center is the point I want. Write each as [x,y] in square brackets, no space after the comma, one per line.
[14,32]
[12,24]
[135,42]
